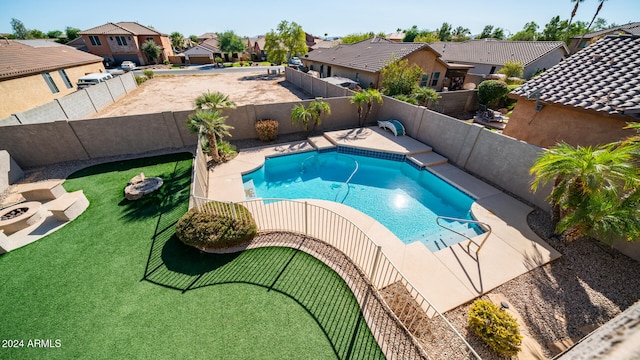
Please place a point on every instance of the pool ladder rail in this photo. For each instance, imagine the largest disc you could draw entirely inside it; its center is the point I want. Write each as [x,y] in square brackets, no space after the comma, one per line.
[484,226]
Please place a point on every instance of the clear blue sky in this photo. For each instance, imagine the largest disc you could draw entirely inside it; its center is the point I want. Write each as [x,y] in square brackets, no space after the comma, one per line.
[335,18]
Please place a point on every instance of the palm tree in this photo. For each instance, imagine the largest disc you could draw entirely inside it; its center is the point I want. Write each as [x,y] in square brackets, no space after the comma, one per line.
[311,113]
[426,96]
[365,96]
[587,178]
[573,14]
[213,101]
[211,124]
[590,23]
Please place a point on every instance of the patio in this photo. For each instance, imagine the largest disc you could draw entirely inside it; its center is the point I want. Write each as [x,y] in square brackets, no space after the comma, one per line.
[449,277]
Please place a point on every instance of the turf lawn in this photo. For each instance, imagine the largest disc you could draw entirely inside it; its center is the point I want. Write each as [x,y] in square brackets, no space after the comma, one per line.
[115,283]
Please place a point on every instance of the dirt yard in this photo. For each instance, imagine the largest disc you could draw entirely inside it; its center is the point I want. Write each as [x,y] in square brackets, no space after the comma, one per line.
[171,93]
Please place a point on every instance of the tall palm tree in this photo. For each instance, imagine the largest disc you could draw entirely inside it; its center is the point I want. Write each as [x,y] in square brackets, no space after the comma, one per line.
[590,23]
[584,176]
[213,101]
[365,96]
[310,114]
[573,14]
[211,124]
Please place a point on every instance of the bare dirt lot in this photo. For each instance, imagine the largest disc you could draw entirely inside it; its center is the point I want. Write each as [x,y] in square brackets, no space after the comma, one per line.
[174,93]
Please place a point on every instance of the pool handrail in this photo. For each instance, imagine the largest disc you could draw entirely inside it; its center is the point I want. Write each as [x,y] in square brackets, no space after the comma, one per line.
[483,225]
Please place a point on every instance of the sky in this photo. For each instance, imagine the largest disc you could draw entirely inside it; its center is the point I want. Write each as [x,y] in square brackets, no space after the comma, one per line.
[331,17]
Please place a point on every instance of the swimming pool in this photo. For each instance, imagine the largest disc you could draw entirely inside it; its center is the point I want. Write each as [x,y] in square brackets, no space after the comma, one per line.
[402,198]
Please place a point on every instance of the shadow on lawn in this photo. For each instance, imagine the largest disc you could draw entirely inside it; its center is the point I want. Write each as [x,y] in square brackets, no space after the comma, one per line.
[327,299]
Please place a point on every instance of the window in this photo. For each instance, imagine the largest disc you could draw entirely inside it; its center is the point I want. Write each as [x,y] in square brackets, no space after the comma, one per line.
[95,41]
[493,70]
[149,39]
[434,79]
[357,77]
[65,78]
[424,81]
[121,40]
[50,83]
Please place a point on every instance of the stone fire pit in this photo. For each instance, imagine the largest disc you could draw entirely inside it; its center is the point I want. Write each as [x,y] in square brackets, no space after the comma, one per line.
[140,186]
[20,216]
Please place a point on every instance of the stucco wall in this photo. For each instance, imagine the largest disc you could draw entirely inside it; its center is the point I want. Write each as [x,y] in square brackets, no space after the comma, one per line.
[10,172]
[454,102]
[24,93]
[554,124]
[545,62]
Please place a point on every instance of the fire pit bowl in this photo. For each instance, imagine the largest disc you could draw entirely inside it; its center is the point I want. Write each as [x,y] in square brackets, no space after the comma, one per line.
[20,216]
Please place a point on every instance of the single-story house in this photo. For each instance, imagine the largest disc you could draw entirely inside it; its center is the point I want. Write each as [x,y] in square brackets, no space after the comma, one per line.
[489,55]
[363,61]
[589,38]
[35,72]
[118,42]
[203,53]
[585,100]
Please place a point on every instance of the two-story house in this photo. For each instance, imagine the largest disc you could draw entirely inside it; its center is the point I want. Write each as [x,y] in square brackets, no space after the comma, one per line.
[117,42]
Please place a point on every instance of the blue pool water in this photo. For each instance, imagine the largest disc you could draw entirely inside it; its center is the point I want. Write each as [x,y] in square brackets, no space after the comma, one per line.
[402,198]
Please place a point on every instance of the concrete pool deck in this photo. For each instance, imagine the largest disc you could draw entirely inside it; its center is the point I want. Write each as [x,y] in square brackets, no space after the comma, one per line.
[449,277]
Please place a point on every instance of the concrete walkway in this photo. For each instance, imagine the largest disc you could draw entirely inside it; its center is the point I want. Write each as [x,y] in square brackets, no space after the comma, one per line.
[449,277]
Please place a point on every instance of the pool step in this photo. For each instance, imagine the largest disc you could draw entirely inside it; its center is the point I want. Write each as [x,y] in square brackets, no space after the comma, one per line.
[446,238]
[320,142]
[427,159]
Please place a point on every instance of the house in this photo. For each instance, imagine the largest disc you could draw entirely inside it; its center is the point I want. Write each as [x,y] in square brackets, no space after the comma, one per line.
[255,48]
[489,55]
[585,100]
[586,39]
[35,72]
[363,61]
[117,42]
[396,36]
[203,53]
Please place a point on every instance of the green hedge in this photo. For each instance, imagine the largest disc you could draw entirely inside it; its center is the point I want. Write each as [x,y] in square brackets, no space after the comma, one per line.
[491,91]
[215,231]
[496,327]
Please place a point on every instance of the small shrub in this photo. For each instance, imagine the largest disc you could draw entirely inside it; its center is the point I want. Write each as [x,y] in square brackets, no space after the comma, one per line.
[226,150]
[267,129]
[140,79]
[216,231]
[166,62]
[148,73]
[490,91]
[408,99]
[496,327]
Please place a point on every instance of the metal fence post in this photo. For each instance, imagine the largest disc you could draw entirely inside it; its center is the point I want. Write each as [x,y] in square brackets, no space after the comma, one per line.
[306,219]
[375,264]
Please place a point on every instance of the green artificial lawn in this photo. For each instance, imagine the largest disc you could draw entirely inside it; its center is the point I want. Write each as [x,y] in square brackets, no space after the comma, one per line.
[116,283]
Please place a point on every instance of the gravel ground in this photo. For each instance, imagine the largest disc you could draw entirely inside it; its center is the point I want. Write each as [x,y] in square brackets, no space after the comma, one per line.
[583,289]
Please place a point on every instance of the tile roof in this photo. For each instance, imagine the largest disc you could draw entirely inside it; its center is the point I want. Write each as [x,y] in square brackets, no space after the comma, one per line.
[369,55]
[120,28]
[630,28]
[603,77]
[18,59]
[495,52]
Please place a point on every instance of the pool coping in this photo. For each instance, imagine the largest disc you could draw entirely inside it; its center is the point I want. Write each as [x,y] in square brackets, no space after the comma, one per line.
[449,277]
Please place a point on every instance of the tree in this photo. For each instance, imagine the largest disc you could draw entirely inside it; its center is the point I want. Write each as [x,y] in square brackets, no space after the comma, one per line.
[365,96]
[444,32]
[596,189]
[54,34]
[213,101]
[528,33]
[72,33]
[288,40]
[400,78]
[486,32]
[461,34]
[194,39]
[411,34]
[152,50]
[512,69]
[178,41]
[429,37]
[573,14]
[310,114]
[211,124]
[36,34]
[231,43]
[426,96]
[553,30]
[357,37]
[19,30]
[591,22]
